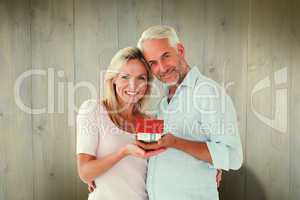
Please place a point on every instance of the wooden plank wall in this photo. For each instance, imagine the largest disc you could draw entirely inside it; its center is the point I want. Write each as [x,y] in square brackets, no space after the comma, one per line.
[52,50]
[237,43]
[16,153]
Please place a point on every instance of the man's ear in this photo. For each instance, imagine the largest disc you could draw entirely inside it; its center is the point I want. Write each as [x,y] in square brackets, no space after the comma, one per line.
[181,50]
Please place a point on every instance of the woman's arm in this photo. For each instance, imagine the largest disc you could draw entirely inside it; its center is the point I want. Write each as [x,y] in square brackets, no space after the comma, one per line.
[89,167]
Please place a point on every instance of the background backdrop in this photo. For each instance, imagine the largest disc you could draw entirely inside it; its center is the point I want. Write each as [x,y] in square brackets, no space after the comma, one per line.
[252,44]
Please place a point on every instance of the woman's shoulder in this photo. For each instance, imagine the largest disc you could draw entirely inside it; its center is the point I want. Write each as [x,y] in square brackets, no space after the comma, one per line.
[91,106]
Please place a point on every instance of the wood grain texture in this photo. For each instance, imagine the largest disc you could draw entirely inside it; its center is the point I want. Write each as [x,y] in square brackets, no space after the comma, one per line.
[294,105]
[188,18]
[16,159]
[54,140]
[225,61]
[134,17]
[267,146]
[234,42]
[96,41]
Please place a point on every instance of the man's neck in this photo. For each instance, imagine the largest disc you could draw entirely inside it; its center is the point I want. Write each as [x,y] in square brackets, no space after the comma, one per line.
[173,88]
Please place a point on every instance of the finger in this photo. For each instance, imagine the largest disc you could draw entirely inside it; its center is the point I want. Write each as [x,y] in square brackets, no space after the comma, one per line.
[94,185]
[90,189]
[219,174]
[140,152]
[219,177]
[148,146]
[140,144]
[136,150]
[154,152]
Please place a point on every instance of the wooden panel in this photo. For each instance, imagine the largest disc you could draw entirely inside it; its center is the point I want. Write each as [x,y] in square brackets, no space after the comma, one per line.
[215,36]
[225,61]
[135,16]
[96,41]
[268,64]
[54,140]
[188,18]
[79,40]
[295,102]
[16,168]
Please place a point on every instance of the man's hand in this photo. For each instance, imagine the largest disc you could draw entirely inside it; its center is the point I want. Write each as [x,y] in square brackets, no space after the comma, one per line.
[167,141]
[91,186]
[196,149]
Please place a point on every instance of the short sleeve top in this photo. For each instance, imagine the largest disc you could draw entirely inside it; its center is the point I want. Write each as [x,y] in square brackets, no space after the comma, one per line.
[97,135]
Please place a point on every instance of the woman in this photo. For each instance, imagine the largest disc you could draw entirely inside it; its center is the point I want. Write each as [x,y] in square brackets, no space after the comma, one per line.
[106,151]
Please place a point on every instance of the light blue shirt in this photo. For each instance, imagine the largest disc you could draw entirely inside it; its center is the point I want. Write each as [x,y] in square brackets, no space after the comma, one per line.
[201,111]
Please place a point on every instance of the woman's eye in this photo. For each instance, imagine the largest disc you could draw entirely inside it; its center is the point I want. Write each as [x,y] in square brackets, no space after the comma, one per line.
[125,77]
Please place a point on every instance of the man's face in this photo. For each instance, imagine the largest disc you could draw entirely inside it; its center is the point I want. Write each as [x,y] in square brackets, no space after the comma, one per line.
[164,60]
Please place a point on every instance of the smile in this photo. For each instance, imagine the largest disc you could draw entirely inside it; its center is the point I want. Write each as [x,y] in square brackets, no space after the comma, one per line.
[130,93]
[168,74]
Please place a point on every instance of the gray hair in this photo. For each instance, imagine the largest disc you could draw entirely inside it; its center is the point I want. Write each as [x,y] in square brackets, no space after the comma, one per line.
[159,32]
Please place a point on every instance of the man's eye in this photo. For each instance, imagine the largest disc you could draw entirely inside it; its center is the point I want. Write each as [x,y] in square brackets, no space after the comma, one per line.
[151,64]
[142,78]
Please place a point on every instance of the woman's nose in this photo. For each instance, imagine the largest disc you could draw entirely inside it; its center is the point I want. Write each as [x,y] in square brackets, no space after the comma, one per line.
[132,84]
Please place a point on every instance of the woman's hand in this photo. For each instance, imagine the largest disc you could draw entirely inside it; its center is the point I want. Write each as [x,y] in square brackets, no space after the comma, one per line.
[134,150]
[166,141]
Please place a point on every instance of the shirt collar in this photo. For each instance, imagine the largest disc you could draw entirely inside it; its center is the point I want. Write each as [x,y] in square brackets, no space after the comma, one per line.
[189,80]
[191,77]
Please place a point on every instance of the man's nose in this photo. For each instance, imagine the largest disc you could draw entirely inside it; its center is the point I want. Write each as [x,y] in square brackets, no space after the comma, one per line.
[162,66]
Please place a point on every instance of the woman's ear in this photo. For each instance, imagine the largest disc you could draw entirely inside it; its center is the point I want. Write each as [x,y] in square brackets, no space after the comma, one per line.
[113,81]
[181,50]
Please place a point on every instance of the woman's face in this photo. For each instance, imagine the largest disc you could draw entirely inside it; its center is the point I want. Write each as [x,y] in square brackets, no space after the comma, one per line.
[131,82]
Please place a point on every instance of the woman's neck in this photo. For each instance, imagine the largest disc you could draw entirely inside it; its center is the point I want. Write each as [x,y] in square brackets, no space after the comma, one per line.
[127,111]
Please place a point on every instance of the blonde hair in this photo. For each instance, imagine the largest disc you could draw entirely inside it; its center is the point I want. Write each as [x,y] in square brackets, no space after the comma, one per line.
[109,99]
[159,32]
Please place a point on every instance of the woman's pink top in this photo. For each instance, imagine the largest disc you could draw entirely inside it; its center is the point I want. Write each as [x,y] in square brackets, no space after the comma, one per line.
[98,136]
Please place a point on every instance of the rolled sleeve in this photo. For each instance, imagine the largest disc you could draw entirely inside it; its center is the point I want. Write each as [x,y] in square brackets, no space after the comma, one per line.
[219,154]
[221,126]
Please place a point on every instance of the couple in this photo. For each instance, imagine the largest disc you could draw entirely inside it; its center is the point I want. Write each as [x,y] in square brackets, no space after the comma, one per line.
[201,134]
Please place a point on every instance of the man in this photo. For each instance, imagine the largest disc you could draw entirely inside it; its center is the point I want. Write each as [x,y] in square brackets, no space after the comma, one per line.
[200,122]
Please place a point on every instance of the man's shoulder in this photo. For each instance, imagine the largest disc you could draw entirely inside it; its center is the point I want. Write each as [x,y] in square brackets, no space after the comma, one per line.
[206,85]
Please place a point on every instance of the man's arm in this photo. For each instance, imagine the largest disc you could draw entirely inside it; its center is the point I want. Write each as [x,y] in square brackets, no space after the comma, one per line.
[223,150]
[196,149]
